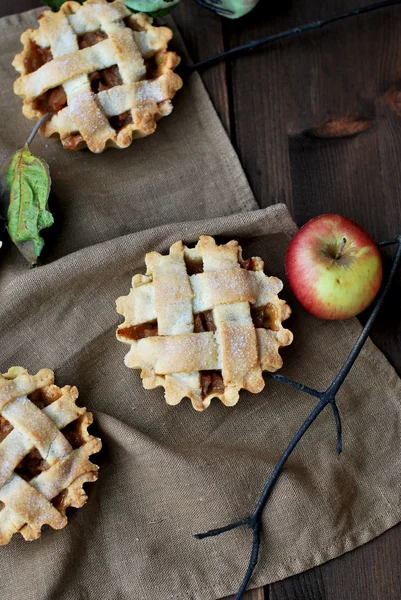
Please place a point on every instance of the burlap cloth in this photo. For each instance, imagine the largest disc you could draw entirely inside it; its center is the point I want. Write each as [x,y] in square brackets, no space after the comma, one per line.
[168,472]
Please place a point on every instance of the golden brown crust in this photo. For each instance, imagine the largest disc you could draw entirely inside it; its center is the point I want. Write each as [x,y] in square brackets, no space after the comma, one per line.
[44,455]
[206,334]
[52,57]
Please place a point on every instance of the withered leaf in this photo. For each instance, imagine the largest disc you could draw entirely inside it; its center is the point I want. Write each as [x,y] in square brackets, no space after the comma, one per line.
[393,99]
[27,180]
[341,127]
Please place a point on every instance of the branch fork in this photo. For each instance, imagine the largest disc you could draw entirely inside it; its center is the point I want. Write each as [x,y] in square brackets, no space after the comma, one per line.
[328,397]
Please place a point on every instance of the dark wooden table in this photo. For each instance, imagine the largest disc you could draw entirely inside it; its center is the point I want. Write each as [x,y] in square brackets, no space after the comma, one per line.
[274,103]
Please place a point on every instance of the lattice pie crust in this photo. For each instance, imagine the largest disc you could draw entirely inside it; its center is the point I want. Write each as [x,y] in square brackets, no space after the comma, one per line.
[104,72]
[44,453]
[204,323]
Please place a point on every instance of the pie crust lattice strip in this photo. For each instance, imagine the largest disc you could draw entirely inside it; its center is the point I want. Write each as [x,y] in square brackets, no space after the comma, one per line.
[44,453]
[204,323]
[104,72]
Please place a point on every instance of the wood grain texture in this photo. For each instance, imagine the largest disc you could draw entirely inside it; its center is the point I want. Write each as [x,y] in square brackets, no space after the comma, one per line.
[279,94]
[371,572]
[251,595]
[9,7]
[273,103]
[193,21]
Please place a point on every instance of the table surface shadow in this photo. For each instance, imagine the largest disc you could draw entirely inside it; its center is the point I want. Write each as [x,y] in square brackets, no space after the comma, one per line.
[277,105]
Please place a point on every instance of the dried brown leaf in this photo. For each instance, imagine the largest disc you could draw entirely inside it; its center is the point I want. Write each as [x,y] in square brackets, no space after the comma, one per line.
[341,127]
[393,99]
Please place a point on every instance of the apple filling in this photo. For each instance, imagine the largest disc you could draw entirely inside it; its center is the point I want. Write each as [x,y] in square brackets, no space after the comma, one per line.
[193,266]
[91,39]
[249,264]
[53,100]
[204,322]
[267,317]
[32,465]
[36,57]
[105,79]
[211,383]
[137,332]
[5,428]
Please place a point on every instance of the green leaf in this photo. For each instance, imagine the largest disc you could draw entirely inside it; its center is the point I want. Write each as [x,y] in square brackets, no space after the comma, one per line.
[232,9]
[154,8]
[27,180]
[55,4]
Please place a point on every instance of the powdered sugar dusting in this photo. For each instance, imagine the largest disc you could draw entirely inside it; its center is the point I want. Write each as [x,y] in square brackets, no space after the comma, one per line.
[26,506]
[229,291]
[149,91]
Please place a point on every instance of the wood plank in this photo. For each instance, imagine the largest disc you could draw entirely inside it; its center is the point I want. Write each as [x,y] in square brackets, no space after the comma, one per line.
[259,106]
[193,21]
[257,594]
[371,572]
[9,7]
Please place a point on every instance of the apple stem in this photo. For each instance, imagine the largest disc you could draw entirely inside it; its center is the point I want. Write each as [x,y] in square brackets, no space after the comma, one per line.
[340,250]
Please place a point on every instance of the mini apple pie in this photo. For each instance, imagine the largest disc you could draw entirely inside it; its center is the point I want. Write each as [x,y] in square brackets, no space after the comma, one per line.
[44,453]
[103,72]
[204,323]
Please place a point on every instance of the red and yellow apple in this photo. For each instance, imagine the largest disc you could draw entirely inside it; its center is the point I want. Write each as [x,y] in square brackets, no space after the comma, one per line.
[333,267]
